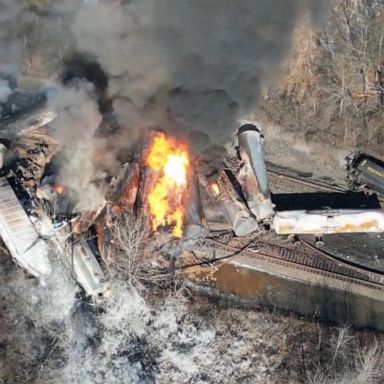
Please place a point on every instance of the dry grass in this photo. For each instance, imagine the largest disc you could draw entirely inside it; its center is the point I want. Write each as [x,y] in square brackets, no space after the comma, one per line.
[350,361]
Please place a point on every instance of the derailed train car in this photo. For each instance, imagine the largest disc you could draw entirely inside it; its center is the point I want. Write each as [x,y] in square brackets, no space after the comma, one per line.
[325,221]
[366,171]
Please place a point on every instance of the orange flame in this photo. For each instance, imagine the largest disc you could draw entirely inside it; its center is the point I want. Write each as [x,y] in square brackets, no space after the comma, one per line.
[59,189]
[215,189]
[171,160]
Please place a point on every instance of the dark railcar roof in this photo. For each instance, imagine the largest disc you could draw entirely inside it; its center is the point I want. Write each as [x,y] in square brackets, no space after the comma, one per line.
[371,172]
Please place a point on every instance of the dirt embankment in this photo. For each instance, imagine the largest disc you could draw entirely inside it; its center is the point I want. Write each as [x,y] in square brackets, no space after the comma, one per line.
[331,87]
[138,337]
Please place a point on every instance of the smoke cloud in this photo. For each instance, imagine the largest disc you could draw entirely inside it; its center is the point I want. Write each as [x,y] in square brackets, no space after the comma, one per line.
[11,43]
[75,127]
[203,61]
[192,68]
[5,91]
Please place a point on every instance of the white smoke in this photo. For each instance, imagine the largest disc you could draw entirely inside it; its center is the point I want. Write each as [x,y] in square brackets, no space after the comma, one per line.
[5,91]
[11,44]
[76,124]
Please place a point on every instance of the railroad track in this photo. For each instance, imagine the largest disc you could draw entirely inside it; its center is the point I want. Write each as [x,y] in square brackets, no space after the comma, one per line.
[312,260]
[315,185]
[320,264]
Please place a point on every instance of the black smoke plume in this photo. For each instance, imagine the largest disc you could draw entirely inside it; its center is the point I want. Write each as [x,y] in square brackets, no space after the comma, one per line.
[191,67]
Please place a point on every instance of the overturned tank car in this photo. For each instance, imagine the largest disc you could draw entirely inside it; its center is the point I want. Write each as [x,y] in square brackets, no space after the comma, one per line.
[319,222]
[366,171]
[253,173]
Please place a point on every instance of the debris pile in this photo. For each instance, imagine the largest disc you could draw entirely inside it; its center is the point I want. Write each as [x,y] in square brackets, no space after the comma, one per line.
[161,185]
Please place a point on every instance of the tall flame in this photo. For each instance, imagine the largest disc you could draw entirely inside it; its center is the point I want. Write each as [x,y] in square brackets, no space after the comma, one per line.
[170,159]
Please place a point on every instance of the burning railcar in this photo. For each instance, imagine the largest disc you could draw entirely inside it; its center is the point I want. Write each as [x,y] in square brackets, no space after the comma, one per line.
[162,184]
[232,206]
[158,181]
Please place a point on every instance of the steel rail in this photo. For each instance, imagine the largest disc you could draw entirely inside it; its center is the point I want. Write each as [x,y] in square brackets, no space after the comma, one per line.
[315,184]
[291,258]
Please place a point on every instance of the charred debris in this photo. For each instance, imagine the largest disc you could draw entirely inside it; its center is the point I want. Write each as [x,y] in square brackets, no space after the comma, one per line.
[160,187]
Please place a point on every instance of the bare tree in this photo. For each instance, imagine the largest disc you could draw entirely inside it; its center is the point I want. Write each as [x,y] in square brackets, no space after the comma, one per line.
[340,343]
[125,249]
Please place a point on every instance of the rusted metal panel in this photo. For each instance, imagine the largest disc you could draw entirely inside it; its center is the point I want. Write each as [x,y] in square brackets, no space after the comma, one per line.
[124,189]
[130,187]
[147,176]
[233,208]
[193,219]
[253,173]
[328,221]
[19,234]
[81,223]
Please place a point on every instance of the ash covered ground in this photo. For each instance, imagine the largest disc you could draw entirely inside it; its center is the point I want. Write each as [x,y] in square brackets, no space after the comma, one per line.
[167,335]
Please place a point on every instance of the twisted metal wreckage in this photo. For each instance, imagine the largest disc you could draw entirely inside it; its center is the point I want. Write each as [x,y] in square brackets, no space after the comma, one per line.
[242,194]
